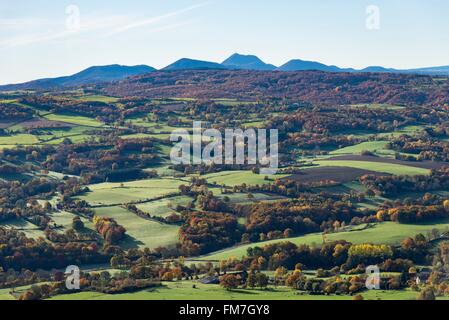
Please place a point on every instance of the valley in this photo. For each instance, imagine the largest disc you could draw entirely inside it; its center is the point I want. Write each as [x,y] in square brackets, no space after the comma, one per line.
[87,172]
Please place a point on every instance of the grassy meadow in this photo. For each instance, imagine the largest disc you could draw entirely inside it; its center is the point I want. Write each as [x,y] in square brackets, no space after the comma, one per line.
[141,233]
[381,233]
[185,291]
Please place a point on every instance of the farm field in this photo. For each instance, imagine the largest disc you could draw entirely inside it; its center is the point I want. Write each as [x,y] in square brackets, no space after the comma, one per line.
[389,168]
[141,233]
[161,136]
[75,134]
[377,106]
[244,198]
[372,146]
[381,233]
[65,219]
[18,139]
[235,178]
[29,229]
[164,207]
[136,191]
[184,291]
[97,98]
[74,119]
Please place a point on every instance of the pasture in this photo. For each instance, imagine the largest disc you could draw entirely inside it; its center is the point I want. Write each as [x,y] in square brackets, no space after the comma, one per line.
[29,229]
[184,291]
[243,198]
[18,139]
[390,168]
[127,192]
[381,233]
[236,178]
[371,146]
[74,119]
[96,98]
[377,106]
[141,233]
[164,207]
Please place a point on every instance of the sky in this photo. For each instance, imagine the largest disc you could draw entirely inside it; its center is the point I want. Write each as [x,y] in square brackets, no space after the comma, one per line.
[48,38]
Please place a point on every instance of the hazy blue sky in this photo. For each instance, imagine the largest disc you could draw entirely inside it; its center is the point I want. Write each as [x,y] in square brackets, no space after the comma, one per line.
[39,38]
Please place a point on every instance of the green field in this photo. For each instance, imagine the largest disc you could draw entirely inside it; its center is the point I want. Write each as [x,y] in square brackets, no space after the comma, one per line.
[74,119]
[391,168]
[161,136]
[120,193]
[253,124]
[236,178]
[185,291]
[18,139]
[371,146]
[242,198]
[161,207]
[55,136]
[407,130]
[153,126]
[6,295]
[65,219]
[97,98]
[377,106]
[382,233]
[142,233]
[50,136]
[29,229]
[232,102]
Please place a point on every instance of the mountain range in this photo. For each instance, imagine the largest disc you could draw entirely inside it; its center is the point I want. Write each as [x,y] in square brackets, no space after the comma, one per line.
[90,75]
[100,74]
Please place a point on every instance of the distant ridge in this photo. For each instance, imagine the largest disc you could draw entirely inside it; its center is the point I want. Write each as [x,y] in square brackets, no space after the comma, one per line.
[378,69]
[191,64]
[443,70]
[99,74]
[302,65]
[92,75]
[247,62]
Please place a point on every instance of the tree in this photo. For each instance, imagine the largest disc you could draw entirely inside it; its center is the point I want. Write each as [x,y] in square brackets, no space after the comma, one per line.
[251,282]
[168,276]
[47,206]
[77,224]
[426,294]
[229,282]
[288,233]
[299,266]
[262,280]
[279,274]
[382,215]
[245,238]
[293,279]
[446,205]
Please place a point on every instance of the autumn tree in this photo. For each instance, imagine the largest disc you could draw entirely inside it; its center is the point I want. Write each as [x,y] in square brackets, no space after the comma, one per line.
[251,281]
[426,294]
[262,280]
[77,224]
[229,282]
